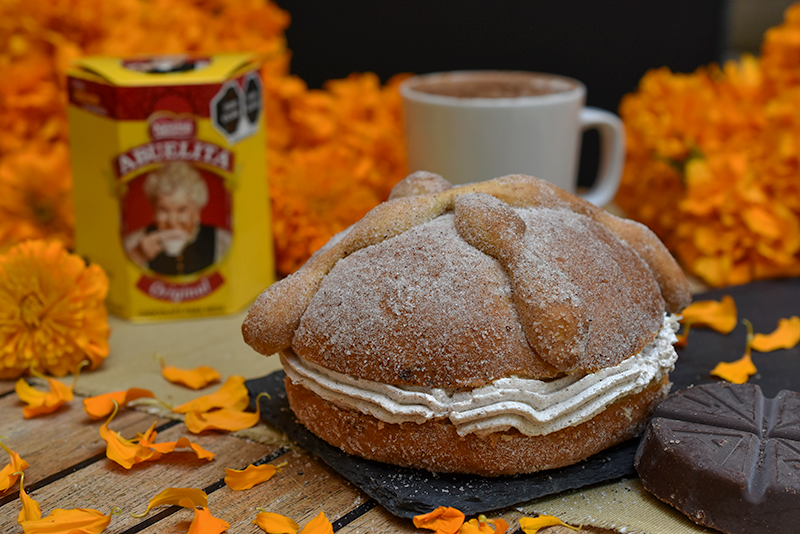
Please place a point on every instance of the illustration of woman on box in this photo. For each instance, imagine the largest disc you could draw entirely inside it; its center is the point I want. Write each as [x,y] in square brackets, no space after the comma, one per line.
[177,242]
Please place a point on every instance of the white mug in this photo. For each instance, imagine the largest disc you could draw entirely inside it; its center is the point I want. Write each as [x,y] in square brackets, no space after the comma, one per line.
[470,126]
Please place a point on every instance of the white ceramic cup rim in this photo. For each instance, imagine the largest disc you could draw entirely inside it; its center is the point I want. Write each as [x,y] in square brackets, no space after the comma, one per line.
[407,90]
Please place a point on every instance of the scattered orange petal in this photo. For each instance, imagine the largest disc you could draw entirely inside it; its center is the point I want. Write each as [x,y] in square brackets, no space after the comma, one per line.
[272,523]
[224,419]
[196,378]
[124,452]
[232,394]
[77,520]
[101,406]
[786,336]
[186,497]
[205,523]
[739,371]
[168,447]
[30,508]
[484,526]
[442,520]
[736,372]
[42,402]
[318,525]
[718,315]
[683,337]
[10,473]
[245,479]
[531,525]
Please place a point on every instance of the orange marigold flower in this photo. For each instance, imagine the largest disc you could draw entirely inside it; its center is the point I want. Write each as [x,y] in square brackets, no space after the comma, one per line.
[347,137]
[36,196]
[52,310]
[720,146]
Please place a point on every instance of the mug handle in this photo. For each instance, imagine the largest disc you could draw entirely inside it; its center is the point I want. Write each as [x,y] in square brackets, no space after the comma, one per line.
[612,154]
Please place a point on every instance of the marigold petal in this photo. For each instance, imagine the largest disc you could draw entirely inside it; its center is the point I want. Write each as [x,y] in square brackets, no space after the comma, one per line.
[205,523]
[42,402]
[101,406]
[735,372]
[196,378]
[719,315]
[124,452]
[318,525]
[75,521]
[185,497]
[786,336]
[500,526]
[273,523]
[30,508]
[245,479]
[443,520]
[474,526]
[16,464]
[183,441]
[531,525]
[232,394]
[224,419]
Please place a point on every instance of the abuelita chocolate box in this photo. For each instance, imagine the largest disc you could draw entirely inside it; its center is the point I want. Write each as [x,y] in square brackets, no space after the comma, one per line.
[170,182]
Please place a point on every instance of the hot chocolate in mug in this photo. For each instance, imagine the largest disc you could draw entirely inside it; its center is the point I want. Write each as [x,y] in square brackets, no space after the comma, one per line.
[470,126]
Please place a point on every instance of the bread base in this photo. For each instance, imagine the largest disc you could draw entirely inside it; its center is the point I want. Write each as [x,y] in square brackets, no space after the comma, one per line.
[436,446]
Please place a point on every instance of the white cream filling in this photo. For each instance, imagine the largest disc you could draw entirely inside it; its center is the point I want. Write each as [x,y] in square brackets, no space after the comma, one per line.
[534,407]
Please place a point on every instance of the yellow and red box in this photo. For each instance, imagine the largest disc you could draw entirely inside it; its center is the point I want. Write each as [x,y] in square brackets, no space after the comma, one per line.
[170,182]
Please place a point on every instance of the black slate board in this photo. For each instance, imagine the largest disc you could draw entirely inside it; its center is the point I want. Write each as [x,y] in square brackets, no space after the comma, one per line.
[762,303]
[408,492]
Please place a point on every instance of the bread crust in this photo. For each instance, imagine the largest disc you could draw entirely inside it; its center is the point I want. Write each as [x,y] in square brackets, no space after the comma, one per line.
[436,446]
[275,317]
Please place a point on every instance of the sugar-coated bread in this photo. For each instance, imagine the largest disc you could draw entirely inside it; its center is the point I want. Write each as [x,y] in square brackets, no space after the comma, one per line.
[448,289]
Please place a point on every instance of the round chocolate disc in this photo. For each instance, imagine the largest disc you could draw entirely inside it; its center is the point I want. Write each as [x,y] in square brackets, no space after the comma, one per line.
[727,457]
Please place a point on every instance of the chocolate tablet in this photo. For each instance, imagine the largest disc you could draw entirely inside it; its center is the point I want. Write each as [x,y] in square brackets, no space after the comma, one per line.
[727,457]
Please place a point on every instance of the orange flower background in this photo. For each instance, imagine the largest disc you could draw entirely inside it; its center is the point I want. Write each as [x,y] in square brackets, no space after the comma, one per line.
[712,166]
[333,154]
[714,160]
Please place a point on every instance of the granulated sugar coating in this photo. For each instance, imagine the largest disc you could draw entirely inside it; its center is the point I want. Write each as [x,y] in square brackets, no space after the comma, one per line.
[447,290]
[428,308]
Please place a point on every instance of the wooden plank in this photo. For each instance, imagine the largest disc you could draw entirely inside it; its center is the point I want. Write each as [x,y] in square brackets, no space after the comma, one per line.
[105,485]
[6,386]
[379,520]
[302,488]
[57,441]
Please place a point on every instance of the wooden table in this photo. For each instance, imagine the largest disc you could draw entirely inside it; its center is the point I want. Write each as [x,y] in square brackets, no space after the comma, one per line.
[69,469]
